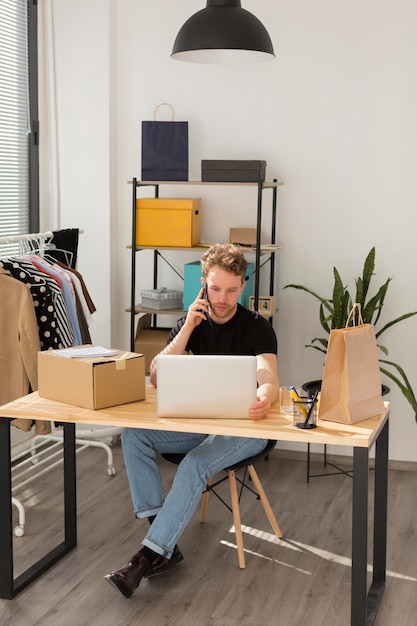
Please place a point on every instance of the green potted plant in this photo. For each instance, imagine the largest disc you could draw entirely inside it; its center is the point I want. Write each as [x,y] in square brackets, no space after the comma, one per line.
[334,313]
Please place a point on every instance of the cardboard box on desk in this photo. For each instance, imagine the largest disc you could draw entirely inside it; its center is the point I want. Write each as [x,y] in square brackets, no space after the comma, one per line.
[91,382]
[149,341]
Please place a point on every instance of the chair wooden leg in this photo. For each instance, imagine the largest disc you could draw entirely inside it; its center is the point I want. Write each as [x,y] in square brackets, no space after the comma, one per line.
[236,518]
[265,503]
[204,503]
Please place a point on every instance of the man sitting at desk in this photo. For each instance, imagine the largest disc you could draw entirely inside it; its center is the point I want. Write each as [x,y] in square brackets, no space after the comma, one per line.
[215,324]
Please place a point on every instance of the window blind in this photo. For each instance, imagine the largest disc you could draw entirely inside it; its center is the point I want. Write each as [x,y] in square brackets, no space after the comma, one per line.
[14,118]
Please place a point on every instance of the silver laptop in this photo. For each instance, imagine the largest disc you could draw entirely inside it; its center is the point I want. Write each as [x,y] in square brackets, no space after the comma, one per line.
[206,385]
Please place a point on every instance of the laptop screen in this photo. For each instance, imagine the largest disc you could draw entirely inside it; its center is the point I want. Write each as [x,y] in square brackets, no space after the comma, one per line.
[215,386]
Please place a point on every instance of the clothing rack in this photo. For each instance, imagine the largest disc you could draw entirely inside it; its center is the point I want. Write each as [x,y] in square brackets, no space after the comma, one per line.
[46,453]
[29,237]
[10,244]
[43,454]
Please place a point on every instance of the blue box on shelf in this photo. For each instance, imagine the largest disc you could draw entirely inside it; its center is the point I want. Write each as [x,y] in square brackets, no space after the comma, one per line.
[192,284]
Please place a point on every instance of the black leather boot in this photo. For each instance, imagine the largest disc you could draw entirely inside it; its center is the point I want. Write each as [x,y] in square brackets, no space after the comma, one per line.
[127,578]
[162,565]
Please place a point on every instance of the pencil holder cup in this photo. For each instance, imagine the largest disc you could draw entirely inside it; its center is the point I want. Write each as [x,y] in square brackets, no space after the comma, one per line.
[305,412]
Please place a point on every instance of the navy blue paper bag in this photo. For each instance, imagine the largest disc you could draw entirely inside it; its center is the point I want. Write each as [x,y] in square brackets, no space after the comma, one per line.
[164,148]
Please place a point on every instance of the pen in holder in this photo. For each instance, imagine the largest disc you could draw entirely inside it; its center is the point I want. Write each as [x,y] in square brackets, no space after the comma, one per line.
[305,412]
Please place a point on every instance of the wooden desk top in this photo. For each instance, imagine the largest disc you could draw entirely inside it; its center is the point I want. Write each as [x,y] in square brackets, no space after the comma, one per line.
[143,415]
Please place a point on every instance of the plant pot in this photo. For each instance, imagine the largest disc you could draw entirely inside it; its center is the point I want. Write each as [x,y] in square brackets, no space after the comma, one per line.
[313,385]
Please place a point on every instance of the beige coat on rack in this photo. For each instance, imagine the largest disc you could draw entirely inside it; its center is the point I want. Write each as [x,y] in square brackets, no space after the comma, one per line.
[19,346]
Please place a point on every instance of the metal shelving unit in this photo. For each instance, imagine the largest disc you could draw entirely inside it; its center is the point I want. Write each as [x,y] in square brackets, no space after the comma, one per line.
[270,251]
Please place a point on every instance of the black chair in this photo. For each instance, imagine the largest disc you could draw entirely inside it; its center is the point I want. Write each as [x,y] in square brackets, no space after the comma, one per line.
[248,466]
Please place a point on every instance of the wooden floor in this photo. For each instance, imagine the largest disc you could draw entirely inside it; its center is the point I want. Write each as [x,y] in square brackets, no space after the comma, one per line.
[302,579]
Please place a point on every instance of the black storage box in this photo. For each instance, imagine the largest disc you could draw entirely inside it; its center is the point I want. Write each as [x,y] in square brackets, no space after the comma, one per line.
[213,171]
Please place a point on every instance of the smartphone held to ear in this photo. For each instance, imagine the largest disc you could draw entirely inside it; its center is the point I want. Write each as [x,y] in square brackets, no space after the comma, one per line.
[204,296]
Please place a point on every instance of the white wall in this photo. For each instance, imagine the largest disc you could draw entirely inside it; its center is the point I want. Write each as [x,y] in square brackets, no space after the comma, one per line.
[79,151]
[333,115]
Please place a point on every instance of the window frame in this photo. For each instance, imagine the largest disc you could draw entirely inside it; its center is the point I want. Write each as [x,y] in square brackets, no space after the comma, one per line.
[34,116]
[22,177]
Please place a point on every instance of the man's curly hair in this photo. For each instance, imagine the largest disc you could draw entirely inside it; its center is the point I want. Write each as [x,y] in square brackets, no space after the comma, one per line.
[227,256]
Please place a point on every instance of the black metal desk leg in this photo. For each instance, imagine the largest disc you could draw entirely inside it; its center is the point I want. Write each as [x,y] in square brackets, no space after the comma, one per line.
[359,536]
[70,485]
[6,530]
[10,586]
[380,524]
[381,505]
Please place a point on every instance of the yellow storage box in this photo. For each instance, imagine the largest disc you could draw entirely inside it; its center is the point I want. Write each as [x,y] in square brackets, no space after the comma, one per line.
[168,222]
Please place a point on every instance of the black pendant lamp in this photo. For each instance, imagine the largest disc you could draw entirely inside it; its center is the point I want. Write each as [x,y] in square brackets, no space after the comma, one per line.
[223,33]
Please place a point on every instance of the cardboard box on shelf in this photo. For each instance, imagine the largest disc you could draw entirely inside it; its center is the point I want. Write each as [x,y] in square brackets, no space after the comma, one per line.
[149,341]
[192,283]
[91,382]
[166,222]
[243,236]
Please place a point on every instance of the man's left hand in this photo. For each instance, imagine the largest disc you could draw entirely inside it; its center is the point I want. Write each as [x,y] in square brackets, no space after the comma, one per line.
[260,409]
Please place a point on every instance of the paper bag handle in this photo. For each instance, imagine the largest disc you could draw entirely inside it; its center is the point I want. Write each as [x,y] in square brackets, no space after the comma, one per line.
[356,308]
[155,111]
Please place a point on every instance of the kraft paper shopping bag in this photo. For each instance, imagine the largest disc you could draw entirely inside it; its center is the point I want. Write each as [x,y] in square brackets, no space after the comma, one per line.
[351,386]
[164,148]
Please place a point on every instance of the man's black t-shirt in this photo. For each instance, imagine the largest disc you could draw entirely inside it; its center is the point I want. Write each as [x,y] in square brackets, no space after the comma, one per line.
[245,333]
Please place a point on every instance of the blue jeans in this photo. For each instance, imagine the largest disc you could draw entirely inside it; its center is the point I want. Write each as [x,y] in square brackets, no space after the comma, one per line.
[206,456]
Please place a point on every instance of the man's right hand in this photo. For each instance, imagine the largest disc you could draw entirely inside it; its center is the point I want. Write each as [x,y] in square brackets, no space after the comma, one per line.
[197,311]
